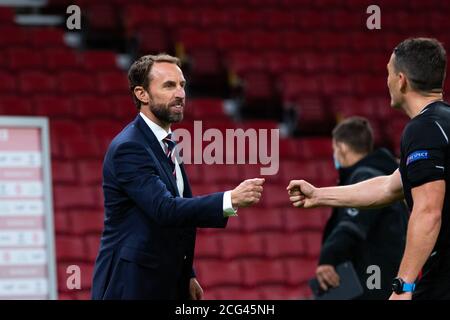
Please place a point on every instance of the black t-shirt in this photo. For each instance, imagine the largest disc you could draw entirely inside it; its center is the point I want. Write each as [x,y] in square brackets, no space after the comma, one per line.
[425,158]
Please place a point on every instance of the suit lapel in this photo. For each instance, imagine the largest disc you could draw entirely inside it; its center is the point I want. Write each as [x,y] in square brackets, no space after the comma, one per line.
[159,153]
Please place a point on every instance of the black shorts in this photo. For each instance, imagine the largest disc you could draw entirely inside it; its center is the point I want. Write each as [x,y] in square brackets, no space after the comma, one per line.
[435,281]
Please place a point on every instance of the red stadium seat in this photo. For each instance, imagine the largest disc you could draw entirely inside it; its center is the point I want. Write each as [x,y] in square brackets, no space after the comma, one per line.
[279,20]
[365,84]
[70,248]
[63,129]
[99,60]
[53,106]
[311,114]
[313,241]
[61,59]
[194,39]
[311,20]
[309,171]
[280,61]
[113,82]
[6,16]
[92,245]
[86,221]
[242,245]
[61,223]
[63,172]
[46,37]
[80,147]
[301,220]
[260,272]
[90,172]
[29,79]
[12,36]
[213,18]
[24,58]
[277,195]
[315,63]
[263,40]
[290,148]
[102,17]
[293,86]
[75,82]
[316,148]
[258,219]
[284,245]
[205,62]
[293,41]
[194,172]
[241,62]
[14,105]
[152,40]
[123,107]
[227,40]
[336,85]
[67,197]
[238,293]
[218,173]
[281,292]
[300,270]
[258,86]
[206,108]
[207,246]
[138,16]
[89,107]
[216,273]
[245,19]
[178,17]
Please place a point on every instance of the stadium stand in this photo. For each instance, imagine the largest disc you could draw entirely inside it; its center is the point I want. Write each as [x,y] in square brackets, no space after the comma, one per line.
[308,63]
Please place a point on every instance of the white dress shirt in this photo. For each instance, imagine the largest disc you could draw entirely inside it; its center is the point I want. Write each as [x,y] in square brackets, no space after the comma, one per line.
[160,134]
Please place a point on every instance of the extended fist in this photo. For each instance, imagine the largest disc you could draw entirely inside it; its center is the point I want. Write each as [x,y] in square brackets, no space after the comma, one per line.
[247,193]
[302,194]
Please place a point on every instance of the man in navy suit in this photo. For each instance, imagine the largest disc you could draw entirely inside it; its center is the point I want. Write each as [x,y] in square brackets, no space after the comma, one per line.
[147,246]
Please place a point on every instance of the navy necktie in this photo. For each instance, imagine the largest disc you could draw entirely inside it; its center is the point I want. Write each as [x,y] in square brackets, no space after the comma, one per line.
[170,153]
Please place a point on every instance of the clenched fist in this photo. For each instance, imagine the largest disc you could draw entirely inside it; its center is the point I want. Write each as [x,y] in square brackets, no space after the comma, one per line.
[302,194]
[247,193]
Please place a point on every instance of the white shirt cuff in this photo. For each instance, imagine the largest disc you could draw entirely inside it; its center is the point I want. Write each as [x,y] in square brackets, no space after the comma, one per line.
[228,209]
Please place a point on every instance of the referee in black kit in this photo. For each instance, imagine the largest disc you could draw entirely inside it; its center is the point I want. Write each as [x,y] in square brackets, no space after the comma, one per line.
[416,71]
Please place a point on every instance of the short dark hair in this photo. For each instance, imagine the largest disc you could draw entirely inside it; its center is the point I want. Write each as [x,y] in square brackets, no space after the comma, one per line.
[356,132]
[138,74]
[424,62]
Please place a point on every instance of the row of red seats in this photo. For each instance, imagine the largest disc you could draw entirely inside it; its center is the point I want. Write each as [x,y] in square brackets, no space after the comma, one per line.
[55,59]
[289,4]
[273,223]
[272,245]
[238,18]
[255,272]
[318,41]
[37,37]
[73,82]
[264,292]
[304,61]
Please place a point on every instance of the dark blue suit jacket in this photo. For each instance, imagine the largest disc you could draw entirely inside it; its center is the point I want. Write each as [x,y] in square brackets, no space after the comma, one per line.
[147,245]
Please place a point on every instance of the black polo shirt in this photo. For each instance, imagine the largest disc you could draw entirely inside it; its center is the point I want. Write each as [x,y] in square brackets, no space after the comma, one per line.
[425,158]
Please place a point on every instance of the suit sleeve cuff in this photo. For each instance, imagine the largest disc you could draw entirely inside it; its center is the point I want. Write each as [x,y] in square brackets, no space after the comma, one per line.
[228,210]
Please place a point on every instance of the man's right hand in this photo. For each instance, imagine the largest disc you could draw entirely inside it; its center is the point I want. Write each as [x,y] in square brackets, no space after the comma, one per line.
[302,194]
[247,193]
[327,276]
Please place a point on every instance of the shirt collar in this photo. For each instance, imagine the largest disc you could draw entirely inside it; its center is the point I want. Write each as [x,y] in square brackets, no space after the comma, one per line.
[159,132]
[425,108]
